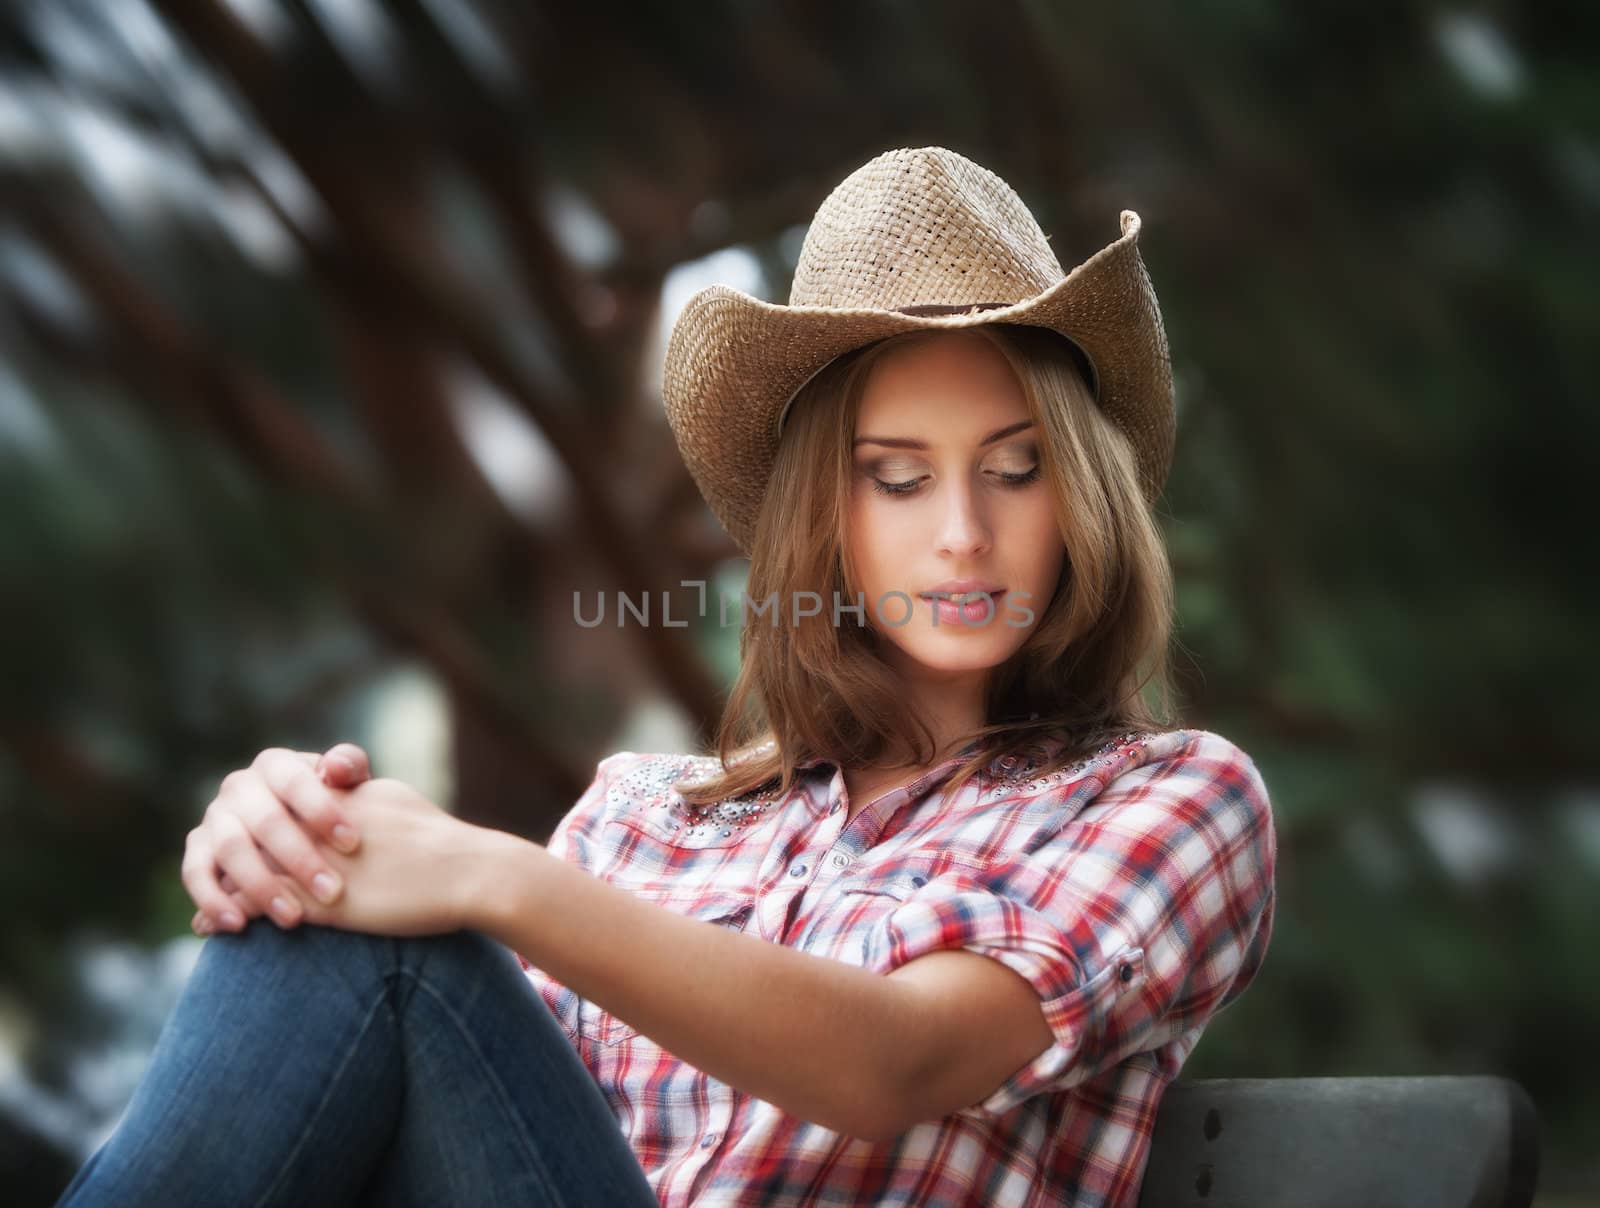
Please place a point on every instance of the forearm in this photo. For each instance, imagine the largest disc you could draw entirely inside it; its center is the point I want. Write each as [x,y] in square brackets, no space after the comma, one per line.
[823,1040]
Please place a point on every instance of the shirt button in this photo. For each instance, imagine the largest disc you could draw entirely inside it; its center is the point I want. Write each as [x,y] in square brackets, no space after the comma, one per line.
[840,859]
[798,870]
[1127,972]
[834,808]
[709,1141]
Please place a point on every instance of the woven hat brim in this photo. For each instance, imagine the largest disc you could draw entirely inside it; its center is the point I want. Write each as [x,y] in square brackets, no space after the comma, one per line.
[733,361]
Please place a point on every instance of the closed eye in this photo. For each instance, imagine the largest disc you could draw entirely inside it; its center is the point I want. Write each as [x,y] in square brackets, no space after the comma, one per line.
[909,486]
[1020,480]
[894,488]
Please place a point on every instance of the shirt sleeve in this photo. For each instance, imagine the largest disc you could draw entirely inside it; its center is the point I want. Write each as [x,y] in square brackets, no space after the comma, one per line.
[1145,913]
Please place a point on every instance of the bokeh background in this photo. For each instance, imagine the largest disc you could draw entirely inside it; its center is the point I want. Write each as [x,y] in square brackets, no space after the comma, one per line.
[330,345]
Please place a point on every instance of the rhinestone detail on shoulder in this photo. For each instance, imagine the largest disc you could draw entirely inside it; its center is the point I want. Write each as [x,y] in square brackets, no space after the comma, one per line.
[647,788]
[1011,773]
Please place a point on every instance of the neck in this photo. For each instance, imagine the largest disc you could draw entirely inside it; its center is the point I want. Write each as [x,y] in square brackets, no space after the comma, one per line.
[952,704]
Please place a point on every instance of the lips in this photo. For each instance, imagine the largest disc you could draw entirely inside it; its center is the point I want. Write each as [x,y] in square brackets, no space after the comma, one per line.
[965,605]
[956,588]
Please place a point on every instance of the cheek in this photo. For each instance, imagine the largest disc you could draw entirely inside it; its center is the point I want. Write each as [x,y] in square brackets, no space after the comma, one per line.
[1043,534]
[869,542]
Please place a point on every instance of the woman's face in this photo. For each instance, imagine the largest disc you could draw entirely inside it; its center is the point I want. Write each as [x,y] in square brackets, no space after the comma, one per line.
[947,494]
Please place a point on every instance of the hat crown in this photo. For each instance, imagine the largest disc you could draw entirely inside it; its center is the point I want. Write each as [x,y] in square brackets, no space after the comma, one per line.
[922,226]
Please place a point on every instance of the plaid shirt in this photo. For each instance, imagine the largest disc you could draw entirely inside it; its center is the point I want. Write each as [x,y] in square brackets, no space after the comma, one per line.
[1133,889]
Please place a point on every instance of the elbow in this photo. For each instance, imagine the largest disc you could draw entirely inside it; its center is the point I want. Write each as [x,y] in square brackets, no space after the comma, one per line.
[888,1089]
[893,1098]
[881,1110]
[876,1126]
[865,1114]
[860,1107]
[868,1106]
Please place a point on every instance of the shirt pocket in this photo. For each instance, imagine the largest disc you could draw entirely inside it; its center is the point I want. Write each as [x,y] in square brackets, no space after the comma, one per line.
[897,885]
[905,875]
[852,907]
[850,923]
[731,911]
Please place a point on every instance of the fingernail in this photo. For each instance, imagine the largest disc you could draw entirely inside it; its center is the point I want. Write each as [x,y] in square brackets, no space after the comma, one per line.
[325,887]
[344,838]
[231,920]
[203,926]
[282,911]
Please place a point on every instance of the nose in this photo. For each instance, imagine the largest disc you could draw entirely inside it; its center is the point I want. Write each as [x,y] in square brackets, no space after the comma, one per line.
[963,527]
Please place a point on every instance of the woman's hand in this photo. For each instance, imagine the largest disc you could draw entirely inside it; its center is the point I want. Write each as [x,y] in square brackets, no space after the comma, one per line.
[420,870]
[258,841]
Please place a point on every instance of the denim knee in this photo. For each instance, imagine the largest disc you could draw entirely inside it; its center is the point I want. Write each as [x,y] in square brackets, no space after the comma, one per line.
[464,960]
[300,959]
[465,963]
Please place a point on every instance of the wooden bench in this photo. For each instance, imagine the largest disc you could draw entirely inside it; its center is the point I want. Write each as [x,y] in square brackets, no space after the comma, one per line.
[1347,1142]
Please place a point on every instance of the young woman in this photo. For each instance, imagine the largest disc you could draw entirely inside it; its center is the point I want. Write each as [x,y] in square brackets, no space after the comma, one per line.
[937,924]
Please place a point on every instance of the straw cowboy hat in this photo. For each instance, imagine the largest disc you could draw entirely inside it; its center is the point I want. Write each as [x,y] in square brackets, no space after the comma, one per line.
[915,238]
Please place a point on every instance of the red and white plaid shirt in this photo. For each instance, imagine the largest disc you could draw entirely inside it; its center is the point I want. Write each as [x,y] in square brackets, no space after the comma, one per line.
[1133,889]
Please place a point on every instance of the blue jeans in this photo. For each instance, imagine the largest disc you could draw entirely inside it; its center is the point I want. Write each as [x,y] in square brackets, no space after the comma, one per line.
[319,1066]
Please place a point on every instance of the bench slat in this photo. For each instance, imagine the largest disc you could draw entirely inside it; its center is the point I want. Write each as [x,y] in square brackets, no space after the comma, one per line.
[1454,1141]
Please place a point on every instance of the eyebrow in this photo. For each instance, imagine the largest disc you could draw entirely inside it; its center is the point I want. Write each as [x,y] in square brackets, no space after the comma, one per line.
[907,442]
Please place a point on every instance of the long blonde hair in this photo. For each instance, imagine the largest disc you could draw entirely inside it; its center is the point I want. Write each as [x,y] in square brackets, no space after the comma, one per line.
[816,688]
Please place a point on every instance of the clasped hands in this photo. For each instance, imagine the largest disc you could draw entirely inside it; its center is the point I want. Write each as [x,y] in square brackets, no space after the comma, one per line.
[314,838]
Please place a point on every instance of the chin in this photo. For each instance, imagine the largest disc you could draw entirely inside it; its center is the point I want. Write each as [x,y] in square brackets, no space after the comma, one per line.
[967,652]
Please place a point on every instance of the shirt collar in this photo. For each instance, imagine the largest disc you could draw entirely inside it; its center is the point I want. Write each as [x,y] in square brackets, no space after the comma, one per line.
[965,752]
